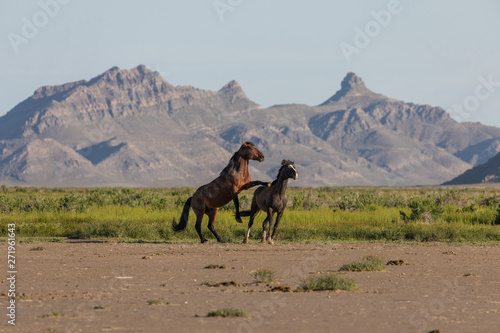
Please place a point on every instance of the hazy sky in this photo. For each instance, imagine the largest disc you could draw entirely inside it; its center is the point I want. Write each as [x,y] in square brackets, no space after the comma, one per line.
[442,53]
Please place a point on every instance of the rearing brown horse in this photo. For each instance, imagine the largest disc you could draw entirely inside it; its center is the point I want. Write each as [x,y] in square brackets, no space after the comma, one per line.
[232,180]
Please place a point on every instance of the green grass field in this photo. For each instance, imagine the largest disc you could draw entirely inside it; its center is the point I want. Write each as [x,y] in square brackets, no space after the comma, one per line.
[317,215]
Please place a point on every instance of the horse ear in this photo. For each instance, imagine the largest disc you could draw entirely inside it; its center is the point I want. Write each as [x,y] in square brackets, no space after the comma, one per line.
[283,162]
[244,144]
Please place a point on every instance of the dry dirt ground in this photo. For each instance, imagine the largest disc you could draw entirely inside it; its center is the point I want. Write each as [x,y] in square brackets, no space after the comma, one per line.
[105,287]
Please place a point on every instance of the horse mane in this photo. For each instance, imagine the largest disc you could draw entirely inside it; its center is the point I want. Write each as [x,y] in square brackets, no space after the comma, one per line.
[283,164]
[234,163]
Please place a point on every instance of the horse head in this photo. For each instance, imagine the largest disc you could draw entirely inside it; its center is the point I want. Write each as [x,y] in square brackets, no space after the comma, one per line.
[249,152]
[288,170]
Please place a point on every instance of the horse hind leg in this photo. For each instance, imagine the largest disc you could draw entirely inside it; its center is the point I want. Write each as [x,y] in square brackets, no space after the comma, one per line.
[212,214]
[269,219]
[264,224]
[199,218]
[278,219]
[269,236]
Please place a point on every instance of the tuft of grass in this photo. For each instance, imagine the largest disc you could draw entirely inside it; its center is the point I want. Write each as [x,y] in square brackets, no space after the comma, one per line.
[22,296]
[210,284]
[54,314]
[154,302]
[38,248]
[102,307]
[214,266]
[368,263]
[228,312]
[471,274]
[220,284]
[264,275]
[329,282]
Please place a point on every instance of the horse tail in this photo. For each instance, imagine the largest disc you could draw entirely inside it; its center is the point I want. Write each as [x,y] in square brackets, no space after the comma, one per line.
[246,213]
[184,217]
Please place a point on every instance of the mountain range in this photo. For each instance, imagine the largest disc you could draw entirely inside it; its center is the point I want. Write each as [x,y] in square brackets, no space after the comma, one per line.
[132,128]
[488,172]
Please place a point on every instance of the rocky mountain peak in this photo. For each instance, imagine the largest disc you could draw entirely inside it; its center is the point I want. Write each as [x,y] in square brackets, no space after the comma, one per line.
[48,91]
[351,86]
[232,87]
[142,69]
[233,91]
[113,76]
[352,82]
[123,77]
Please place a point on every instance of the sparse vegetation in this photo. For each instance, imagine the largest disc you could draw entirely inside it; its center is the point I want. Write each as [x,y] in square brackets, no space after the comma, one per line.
[214,266]
[220,284]
[155,302]
[398,262]
[38,248]
[368,263]
[210,284]
[101,307]
[329,282]
[264,275]
[54,314]
[22,296]
[471,274]
[51,330]
[315,215]
[228,312]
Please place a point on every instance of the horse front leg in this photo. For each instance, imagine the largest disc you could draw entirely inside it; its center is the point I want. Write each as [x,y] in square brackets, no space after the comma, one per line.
[254,183]
[237,207]
[253,212]
[250,223]
[265,184]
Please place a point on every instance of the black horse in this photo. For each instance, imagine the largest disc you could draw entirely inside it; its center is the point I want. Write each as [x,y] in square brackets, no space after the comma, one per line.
[271,200]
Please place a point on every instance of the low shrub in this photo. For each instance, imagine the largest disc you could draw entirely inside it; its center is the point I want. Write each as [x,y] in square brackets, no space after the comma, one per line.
[329,282]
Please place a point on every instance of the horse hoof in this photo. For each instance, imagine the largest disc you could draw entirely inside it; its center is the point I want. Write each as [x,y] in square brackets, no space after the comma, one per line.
[245,241]
[204,241]
[270,241]
[239,220]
